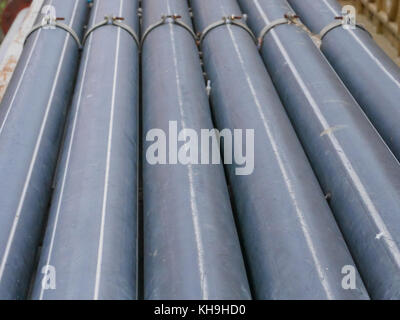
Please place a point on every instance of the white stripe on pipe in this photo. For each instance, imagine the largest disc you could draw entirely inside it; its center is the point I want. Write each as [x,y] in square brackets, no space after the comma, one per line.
[390,246]
[20,79]
[292,193]
[64,178]
[107,174]
[193,199]
[376,60]
[35,153]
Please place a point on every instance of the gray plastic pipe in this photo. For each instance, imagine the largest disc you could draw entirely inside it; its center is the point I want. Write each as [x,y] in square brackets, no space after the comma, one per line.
[293,246]
[32,115]
[191,246]
[370,75]
[90,241]
[356,170]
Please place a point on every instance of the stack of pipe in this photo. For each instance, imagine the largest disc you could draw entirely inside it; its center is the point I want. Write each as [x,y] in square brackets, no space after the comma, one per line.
[356,169]
[293,246]
[370,75]
[191,246]
[91,236]
[32,115]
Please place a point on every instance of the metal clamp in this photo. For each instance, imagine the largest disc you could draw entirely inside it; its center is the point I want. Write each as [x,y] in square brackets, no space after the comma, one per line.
[173,18]
[51,22]
[114,21]
[289,18]
[226,21]
[335,25]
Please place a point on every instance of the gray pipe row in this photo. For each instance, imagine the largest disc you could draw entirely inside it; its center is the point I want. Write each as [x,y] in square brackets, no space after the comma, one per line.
[91,236]
[354,166]
[293,246]
[191,246]
[370,75]
[32,115]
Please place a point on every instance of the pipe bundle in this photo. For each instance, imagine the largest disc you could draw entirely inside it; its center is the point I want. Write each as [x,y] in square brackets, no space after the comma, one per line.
[370,75]
[91,235]
[165,153]
[32,115]
[287,227]
[356,170]
[191,246]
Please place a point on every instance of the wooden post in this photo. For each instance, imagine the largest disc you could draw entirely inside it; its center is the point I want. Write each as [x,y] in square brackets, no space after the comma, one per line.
[380,5]
[359,7]
[393,10]
[397,19]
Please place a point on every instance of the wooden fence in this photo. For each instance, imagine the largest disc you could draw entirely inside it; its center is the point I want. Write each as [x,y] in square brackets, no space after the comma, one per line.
[385,14]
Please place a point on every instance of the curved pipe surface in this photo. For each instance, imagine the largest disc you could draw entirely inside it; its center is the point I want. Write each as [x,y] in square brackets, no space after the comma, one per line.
[353,164]
[32,115]
[191,246]
[293,246]
[91,237]
[370,75]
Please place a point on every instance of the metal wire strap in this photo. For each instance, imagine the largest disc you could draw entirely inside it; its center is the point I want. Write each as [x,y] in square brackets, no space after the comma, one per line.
[289,18]
[335,25]
[114,21]
[55,23]
[174,19]
[230,20]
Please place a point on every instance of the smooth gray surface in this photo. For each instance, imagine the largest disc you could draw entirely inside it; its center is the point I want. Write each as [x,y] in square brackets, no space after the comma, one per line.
[191,247]
[353,164]
[293,246]
[92,231]
[32,115]
[370,75]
